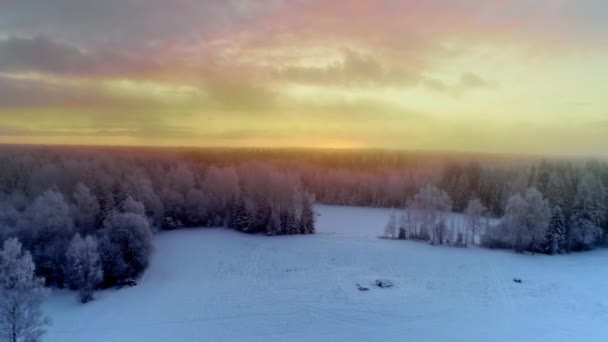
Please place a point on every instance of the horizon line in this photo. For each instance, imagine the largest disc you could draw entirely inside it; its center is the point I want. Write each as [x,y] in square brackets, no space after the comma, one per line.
[304,148]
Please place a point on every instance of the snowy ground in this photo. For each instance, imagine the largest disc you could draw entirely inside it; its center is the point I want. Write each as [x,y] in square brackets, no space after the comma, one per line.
[220,285]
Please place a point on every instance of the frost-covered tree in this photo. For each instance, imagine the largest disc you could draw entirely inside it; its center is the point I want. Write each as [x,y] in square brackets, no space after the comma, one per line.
[86,209]
[390,230]
[526,220]
[307,215]
[174,186]
[9,217]
[125,245]
[139,185]
[555,191]
[431,206]
[46,229]
[473,215]
[21,294]
[537,218]
[174,204]
[556,234]
[462,192]
[134,207]
[589,212]
[45,177]
[221,188]
[196,207]
[514,222]
[83,267]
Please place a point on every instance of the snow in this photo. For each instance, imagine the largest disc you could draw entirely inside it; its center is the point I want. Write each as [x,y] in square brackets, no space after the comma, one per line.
[221,285]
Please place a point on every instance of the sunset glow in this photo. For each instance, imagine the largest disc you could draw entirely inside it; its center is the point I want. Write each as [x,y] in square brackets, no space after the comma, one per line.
[494,76]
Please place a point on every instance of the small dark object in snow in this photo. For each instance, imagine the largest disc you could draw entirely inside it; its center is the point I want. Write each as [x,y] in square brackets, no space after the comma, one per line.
[384,283]
[361,288]
[128,282]
[517,280]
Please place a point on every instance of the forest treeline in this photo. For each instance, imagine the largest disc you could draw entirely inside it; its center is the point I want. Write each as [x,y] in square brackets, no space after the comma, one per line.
[87,215]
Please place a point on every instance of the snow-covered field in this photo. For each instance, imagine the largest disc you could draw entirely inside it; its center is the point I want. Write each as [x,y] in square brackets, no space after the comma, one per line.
[220,285]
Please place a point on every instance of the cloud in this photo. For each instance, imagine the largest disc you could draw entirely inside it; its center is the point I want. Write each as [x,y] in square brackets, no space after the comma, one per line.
[355,69]
[466,82]
[437,85]
[40,54]
[41,92]
[470,80]
[229,91]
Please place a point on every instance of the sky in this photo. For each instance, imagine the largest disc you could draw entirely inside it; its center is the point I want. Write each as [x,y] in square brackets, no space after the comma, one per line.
[504,76]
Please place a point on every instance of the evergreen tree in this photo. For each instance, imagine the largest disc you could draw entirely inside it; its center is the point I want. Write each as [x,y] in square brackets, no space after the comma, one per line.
[589,212]
[240,216]
[402,233]
[403,223]
[556,234]
[261,220]
[555,190]
[293,226]
[287,223]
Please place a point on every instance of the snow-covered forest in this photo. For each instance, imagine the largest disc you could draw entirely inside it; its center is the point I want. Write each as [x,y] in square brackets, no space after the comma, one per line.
[546,207]
[84,218]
